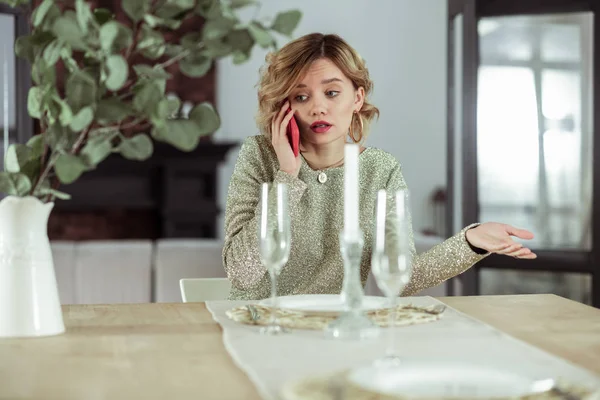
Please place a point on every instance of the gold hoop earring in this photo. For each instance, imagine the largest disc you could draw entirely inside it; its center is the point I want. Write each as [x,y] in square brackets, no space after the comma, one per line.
[361,124]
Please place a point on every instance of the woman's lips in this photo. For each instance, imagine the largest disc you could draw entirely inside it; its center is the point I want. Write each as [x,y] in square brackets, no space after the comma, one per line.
[320,126]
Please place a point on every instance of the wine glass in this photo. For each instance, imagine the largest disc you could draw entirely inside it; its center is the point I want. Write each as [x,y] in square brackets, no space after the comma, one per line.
[275,238]
[391,258]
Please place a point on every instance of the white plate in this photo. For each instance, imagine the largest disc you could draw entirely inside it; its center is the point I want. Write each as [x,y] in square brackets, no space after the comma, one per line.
[442,379]
[323,303]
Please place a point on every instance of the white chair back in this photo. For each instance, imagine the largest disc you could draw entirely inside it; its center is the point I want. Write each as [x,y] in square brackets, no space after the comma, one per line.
[177,259]
[204,289]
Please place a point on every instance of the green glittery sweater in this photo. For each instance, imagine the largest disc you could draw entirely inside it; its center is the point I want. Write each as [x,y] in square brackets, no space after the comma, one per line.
[317,213]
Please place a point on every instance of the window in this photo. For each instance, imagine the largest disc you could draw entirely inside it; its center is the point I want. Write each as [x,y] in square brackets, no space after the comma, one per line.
[534,141]
[534,127]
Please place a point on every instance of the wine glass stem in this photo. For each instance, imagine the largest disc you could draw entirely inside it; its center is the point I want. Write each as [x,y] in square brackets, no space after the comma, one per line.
[273,296]
[391,323]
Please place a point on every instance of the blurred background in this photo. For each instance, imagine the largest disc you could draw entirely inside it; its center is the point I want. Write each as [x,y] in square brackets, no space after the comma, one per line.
[488,107]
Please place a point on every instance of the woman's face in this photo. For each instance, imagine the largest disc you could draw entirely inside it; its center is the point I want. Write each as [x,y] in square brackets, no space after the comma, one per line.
[324,101]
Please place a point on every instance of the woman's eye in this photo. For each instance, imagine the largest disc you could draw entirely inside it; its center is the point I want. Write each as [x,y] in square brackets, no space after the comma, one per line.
[301,98]
[332,93]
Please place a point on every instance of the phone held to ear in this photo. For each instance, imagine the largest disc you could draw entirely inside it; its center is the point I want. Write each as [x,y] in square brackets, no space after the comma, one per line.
[293,134]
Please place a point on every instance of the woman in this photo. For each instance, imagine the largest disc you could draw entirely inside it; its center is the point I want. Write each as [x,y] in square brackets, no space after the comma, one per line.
[326,84]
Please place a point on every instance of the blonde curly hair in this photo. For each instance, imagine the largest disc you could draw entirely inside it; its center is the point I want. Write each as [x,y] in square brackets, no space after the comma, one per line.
[284,68]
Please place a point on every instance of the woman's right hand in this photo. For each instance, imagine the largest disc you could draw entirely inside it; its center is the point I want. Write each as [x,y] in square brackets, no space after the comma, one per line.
[287,162]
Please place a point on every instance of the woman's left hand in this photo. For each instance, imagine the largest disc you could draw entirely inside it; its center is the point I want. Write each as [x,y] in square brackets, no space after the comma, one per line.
[497,238]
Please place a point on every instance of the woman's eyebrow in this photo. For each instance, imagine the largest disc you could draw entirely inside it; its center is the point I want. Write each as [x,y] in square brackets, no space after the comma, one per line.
[323,82]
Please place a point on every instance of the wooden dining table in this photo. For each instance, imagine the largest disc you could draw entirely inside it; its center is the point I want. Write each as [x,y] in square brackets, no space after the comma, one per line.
[175,351]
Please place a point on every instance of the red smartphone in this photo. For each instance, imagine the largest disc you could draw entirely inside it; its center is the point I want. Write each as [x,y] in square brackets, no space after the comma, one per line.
[293,134]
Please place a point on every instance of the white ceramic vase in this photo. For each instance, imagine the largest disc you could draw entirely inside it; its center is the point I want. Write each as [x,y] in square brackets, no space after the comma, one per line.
[29,302]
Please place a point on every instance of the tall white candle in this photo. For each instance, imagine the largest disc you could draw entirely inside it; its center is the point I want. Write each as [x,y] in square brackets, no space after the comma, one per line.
[5,101]
[351,190]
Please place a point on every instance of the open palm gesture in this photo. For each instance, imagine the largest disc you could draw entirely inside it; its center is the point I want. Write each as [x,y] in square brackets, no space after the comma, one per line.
[497,238]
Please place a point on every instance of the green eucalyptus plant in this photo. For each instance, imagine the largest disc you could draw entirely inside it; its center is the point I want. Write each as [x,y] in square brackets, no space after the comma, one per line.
[107,91]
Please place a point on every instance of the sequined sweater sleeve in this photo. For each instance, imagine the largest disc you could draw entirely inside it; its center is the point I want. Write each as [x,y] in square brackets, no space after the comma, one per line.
[241,257]
[442,262]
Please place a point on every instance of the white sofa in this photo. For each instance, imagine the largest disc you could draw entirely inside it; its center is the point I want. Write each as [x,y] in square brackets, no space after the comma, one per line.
[103,271]
[144,271]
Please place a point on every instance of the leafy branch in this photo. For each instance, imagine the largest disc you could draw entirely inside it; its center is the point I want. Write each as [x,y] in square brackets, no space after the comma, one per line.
[107,91]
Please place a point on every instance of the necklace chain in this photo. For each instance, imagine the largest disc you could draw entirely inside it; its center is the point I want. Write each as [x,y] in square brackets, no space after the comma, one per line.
[328,166]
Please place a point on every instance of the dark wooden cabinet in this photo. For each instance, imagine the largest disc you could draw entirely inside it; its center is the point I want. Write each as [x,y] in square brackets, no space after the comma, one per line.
[171,195]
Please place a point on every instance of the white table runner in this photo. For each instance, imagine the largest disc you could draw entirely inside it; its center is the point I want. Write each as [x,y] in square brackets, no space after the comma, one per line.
[272,361]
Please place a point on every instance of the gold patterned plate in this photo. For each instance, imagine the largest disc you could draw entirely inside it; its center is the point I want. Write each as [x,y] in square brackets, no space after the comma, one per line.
[405,314]
[432,380]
